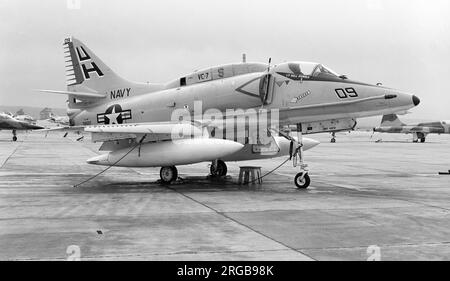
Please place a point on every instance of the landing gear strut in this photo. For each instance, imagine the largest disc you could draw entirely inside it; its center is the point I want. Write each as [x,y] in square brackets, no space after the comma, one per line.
[218,168]
[14,135]
[333,137]
[419,137]
[302,179]
[168,174]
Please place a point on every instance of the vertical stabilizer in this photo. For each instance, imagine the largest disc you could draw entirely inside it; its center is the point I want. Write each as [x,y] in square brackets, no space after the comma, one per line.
[87,73]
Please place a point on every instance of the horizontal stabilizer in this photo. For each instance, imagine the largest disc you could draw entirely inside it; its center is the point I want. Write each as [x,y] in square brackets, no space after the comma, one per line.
[78,94]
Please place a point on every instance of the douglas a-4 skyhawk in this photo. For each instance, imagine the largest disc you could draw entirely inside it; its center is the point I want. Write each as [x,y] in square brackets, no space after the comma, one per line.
[15,123]
[224,113]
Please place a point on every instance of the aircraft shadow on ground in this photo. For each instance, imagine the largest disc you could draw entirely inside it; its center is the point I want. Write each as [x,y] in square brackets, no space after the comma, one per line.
[197,183]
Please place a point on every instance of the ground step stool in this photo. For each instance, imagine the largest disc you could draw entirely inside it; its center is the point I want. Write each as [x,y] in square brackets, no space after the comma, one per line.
[246,171]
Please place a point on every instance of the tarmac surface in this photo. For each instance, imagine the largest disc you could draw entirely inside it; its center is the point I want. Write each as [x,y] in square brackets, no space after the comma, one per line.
[367,199]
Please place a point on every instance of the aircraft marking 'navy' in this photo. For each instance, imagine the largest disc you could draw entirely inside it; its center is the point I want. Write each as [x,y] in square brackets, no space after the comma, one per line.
[120,93]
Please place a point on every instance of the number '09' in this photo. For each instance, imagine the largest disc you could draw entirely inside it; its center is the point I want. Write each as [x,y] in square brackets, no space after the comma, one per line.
[345,93]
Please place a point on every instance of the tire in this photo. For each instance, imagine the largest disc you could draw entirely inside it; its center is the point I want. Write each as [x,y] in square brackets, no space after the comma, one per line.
[14,138]
[302,184]
[221,170]
[422,140]
[333,140]
[168,174]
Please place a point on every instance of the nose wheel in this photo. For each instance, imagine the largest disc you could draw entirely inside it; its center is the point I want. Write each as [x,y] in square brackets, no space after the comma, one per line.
[168,174]
[302,180]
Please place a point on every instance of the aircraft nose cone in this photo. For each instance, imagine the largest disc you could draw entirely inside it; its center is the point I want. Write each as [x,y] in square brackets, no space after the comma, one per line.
[416,100]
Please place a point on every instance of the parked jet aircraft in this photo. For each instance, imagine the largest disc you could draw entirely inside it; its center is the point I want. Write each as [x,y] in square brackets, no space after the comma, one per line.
[25,118]
[60,120]
[124,115]
[392,124]
[8,122]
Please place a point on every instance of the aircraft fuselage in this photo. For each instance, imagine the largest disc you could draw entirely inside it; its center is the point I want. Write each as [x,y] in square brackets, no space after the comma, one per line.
[298,100]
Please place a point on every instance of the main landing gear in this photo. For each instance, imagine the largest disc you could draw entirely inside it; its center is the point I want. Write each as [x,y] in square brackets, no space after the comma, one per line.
[333,137]
[218,168]
[418,136]
[14,132]
[168,174]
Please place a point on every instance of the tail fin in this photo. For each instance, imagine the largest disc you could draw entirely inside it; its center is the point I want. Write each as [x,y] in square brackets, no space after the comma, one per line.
[391,120]
[86,73]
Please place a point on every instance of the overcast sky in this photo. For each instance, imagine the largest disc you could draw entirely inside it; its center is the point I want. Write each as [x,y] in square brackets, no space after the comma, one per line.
[404,44]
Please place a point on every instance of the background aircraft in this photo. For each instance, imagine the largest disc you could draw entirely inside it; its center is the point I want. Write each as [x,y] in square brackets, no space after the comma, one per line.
[392,124]
[126,115]
[8,122]
[60,120]
[25,118]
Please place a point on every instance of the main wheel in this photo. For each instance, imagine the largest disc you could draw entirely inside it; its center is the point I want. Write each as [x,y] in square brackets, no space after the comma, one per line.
[333,140]
[168,174]
[220,170]
[422,140]
[302,183]
[14,138]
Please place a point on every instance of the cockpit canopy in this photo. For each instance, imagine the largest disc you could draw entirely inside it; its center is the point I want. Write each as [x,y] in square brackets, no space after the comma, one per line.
[322,70]
[306,69]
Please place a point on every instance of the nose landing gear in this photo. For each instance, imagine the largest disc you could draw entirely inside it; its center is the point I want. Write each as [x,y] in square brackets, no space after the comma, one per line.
[14,132]
[302,179]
